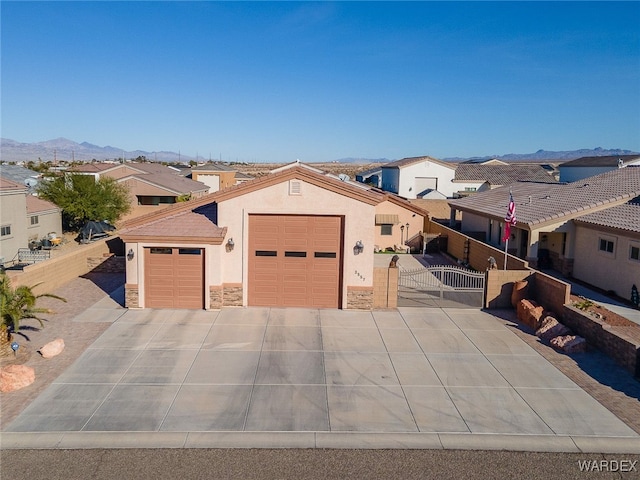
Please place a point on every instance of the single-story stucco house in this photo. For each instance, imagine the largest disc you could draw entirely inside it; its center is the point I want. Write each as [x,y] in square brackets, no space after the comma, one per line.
[295,237]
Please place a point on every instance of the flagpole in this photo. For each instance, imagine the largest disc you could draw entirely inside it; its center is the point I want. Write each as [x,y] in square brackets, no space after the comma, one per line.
[506,244]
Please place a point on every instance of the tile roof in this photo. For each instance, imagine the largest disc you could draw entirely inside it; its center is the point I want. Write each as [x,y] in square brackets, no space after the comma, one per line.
[543,202]
[213,167]
[404,162]
[170,181]
[199,223]
[502,174]
[93,167]
[7,185]
[605,161]
[36,205]
[348,189]
[623,217]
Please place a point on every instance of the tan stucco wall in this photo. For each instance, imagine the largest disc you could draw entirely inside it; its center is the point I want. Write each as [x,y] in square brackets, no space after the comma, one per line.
[13,212]
[358,225]
[415,221]
[136,187]
[47,222]
[608,271]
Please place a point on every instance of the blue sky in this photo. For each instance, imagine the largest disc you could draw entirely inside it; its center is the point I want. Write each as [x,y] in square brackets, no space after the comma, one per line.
[277,81]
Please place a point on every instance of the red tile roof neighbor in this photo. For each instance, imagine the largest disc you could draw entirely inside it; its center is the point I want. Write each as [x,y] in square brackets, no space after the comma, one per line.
[193,225]
[9,185]
[542,202]
[36,205]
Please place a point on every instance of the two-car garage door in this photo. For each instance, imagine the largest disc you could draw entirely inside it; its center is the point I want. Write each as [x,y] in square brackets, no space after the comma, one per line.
[294,260]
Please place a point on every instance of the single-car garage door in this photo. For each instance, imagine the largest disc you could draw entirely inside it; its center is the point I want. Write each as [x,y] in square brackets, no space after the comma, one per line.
[174,277]
[294,260]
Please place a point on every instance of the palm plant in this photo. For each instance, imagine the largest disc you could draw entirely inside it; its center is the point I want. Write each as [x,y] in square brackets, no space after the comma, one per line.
[17,304]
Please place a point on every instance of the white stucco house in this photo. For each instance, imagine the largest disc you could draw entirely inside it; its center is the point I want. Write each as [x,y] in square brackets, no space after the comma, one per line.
[418,176]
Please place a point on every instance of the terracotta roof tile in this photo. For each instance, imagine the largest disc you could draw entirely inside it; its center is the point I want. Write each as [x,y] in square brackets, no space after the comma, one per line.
[35,205]
[8,185]
[199,222]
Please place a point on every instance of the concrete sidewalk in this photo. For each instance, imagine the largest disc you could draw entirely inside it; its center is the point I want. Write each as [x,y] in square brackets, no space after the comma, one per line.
[260,377]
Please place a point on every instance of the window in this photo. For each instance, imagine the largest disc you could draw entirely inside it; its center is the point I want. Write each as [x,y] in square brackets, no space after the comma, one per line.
[634,252]
[161,251]
[266,253]
[295,254]
[470,189]
[606,245]
[5,230]
[189,251]
[386,229]
[34,220]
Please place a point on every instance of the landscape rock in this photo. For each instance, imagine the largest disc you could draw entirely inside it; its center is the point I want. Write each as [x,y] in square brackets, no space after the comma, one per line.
[523,308]
[15,377]
[52,348]
[569,344]
[551,328]
[519,292]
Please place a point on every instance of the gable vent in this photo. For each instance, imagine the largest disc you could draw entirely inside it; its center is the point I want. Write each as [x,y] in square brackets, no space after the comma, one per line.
[295,187]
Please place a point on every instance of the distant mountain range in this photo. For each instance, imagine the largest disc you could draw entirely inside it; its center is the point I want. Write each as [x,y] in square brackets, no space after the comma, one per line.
[64,149]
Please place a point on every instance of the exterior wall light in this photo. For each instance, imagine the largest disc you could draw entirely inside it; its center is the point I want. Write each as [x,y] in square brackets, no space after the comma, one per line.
[230,245]
[130,254]
[358,247]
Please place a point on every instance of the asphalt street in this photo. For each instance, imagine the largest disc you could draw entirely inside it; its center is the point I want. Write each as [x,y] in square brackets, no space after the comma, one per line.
[311,464]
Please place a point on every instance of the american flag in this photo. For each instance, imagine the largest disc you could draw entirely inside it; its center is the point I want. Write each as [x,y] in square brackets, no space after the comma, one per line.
[510,218]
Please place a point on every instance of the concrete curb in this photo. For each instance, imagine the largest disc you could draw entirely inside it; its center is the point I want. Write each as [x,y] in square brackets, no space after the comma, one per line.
[329,440]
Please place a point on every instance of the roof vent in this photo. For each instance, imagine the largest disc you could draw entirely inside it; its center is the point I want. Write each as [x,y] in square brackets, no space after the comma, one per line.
[295,187]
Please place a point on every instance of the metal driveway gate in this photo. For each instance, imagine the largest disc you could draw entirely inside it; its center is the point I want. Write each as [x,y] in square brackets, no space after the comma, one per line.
[441,286]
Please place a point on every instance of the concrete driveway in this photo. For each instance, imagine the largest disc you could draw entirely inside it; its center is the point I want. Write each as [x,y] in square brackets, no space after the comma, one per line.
[412,378]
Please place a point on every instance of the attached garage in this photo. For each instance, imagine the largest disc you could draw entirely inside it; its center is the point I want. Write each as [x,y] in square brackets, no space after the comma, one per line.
[174,277]
[295,260]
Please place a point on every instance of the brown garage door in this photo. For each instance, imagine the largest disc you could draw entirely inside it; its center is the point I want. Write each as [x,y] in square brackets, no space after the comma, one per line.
[174,277]
[294,260]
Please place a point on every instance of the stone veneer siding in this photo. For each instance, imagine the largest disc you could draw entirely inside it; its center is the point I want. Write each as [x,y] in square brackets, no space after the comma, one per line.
[360,298]
[232,295]
[215,297]
[131,296]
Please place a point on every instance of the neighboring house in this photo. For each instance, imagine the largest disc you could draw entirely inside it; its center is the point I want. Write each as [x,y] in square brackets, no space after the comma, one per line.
[242,177]
[417,176]
[21,175]
[372,177]
[609,246]
[150,185]
[548,216]
[24,217]
[297,237]
[215,175]
[589,166]
[472,177]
